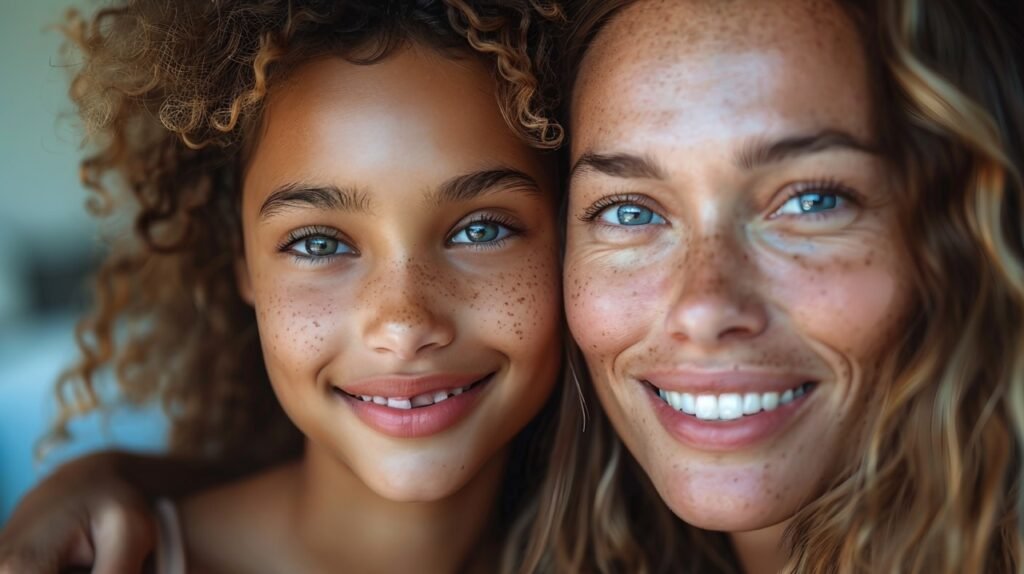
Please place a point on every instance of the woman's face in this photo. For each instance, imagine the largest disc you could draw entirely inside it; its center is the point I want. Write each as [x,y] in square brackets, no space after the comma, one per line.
[734,271]
[402,258]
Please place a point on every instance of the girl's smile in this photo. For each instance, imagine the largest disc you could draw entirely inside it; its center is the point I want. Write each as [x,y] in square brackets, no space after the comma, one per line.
[402,258]
[411,407]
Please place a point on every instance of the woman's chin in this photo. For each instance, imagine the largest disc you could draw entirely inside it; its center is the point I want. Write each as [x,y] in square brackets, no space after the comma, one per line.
[729,505]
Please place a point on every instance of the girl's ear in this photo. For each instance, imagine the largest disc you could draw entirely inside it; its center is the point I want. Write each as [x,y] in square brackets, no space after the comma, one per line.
[243,280]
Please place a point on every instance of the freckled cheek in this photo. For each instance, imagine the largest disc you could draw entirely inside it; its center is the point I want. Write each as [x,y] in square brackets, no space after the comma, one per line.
[297,323]
[610,305]
[854,311]
[518,308]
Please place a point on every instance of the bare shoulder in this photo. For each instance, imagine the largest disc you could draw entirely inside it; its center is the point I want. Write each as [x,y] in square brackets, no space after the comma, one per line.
[240,526]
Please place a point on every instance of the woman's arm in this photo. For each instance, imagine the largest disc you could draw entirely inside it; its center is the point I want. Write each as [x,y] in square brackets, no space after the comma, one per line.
[95,510]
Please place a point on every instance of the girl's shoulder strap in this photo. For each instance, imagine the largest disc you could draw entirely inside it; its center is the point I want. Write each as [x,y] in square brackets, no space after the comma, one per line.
[170,549]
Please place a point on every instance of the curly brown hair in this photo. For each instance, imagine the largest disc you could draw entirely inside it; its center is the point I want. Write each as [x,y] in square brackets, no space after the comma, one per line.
[172,93]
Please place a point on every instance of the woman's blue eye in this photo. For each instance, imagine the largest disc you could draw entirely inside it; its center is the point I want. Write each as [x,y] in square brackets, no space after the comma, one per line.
[481,232]
[320,246]
[809,203]
[630,214]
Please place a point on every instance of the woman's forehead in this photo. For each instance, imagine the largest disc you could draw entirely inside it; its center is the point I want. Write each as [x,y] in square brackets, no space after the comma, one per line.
[687,67]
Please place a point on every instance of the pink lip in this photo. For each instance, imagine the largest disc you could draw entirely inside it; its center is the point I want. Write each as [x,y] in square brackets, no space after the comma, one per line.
[725,436]
[416,422]
[718,382]
[408,386]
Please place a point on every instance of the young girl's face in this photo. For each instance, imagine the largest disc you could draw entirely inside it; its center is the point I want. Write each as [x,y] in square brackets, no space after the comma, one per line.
[402,258]
[734,267]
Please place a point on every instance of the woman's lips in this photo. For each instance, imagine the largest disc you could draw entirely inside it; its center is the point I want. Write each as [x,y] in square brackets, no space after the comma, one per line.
[737,416]
[439,403]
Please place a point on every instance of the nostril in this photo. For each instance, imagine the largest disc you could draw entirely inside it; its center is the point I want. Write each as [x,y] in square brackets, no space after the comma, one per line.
[708,319]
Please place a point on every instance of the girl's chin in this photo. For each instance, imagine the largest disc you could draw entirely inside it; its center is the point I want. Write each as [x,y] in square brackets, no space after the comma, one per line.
[425,489]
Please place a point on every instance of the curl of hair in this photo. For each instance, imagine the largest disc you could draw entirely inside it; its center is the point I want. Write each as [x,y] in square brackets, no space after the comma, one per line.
[172,95]
[934,483]
[932,480]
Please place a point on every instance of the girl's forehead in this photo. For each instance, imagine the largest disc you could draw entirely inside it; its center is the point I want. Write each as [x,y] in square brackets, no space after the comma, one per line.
[413,114]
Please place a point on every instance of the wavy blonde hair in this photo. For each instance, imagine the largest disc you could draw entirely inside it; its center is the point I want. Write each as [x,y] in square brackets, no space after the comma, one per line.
[933,482]
[172,96]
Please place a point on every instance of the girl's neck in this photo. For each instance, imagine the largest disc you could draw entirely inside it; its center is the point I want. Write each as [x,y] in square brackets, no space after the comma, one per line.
[340,521]
[760,551]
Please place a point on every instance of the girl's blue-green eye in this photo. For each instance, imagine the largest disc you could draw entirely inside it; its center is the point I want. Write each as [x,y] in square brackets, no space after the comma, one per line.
[481,232]
[804,203]
[630,214]
[320,246]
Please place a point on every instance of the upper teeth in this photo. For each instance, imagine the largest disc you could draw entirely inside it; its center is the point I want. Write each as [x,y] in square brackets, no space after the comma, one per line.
[426,399]
[729,406]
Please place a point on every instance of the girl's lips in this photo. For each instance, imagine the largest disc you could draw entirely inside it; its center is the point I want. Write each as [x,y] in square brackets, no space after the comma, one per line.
[705,430]
[409,386]
[399,418]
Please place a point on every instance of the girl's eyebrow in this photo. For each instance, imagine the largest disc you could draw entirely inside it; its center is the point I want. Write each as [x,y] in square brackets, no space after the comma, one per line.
[474,184]
[459,188]
[328,197]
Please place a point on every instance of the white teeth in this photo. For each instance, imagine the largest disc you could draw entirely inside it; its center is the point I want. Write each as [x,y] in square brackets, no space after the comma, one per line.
[730,406]
[399,403]
[674,399]
[707,407]
[751,403]
[689,404]
[426,399]
[422,400]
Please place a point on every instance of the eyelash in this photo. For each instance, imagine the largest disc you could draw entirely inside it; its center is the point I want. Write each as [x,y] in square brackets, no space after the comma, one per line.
[826,185]
[507,222]
[297,235]
[592,212]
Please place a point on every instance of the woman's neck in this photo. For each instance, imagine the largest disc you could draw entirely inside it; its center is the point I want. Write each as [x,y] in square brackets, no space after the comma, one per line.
[340,521]
[760,551]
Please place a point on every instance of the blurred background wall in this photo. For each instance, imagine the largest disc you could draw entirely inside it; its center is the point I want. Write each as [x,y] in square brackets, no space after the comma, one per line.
[48,247]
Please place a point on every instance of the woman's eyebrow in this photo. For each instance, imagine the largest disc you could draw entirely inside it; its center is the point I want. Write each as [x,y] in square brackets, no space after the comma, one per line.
[474,184]
[624,165]
[761,152]
[297,195]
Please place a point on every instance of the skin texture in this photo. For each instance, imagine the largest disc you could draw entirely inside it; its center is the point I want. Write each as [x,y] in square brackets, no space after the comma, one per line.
[403,294]
[730,276]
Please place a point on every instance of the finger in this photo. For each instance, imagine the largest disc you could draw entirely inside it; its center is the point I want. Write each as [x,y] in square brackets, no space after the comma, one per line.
[79,550]
[24,561]
[122,542]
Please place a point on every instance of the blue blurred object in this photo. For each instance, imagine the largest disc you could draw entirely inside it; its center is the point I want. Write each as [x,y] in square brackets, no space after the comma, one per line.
[48,248]
[31,357]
